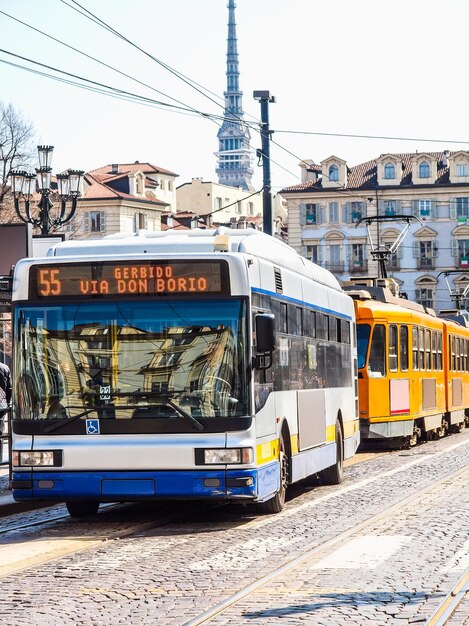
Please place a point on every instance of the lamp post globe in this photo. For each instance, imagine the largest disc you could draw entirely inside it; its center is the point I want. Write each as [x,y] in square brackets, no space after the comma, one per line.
[23,188]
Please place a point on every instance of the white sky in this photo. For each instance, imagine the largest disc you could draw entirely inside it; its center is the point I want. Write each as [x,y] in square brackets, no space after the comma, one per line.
[394,68]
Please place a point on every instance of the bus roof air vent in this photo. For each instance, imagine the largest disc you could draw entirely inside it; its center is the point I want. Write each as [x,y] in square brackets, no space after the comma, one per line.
[278,280]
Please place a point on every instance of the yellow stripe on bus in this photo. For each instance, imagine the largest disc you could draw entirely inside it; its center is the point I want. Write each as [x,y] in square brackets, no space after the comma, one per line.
[267,452]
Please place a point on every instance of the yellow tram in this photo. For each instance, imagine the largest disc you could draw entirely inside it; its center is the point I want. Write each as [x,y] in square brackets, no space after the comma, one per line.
[413,369]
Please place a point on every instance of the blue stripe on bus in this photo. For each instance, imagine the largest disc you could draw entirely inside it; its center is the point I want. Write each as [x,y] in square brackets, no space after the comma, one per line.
[315,307]
[128,485]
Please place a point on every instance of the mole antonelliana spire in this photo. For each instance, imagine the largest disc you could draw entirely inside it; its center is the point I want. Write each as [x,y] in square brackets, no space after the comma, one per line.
[234,148]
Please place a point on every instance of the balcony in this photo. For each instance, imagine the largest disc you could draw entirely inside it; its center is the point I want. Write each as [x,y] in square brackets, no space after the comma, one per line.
[425,263]
[336,267]
[358,267]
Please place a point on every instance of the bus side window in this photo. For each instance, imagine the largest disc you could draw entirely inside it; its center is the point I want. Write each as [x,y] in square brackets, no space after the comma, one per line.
[377,360]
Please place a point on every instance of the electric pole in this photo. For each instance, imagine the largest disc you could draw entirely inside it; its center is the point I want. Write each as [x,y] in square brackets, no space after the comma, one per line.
[264,97]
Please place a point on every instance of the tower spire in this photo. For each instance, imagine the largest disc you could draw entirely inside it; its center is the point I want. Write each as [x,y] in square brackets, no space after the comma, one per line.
[234,147]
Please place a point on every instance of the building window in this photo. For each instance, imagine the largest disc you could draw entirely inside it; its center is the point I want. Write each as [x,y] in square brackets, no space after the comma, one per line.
[357,257]
[251,208]
[162,185]
[238,207]
[312,253]
[333,212]
[96,221]
[170,185]
[461,169]
[424,170]
[140,221]
[389,171]
[460,249]
[334,173]
[462,207]
[425,208]
[426,297]
[425,253]
[390,207]
[312,214]
[335,263]
[357,208]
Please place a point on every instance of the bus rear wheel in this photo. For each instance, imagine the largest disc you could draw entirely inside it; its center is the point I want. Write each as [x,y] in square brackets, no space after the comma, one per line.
[82,508]
[333,475]
[276,504]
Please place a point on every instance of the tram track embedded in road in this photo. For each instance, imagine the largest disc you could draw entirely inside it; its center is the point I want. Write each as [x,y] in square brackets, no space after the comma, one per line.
[253,587]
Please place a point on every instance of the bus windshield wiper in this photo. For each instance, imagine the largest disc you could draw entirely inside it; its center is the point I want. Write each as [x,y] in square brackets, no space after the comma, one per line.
[68,420]
[166,396]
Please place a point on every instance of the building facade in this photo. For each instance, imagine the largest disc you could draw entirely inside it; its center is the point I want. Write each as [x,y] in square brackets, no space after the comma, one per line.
[228,205]
[123,198]
[326,212]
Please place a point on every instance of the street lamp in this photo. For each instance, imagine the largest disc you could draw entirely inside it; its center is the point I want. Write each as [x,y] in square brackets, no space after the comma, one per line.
[68,184]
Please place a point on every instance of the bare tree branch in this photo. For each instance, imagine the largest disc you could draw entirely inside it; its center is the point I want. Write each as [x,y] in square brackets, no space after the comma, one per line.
[17,150]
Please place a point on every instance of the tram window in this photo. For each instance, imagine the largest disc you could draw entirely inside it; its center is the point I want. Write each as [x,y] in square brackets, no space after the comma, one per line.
[452,353]
[434,351]
[428,353]
[363,337]
[392,350]
[415,348]
[377,362]
[421,349]
[440,351]
[404,348]
[461,355]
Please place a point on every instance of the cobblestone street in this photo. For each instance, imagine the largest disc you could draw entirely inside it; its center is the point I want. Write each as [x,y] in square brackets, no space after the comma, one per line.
[394,570]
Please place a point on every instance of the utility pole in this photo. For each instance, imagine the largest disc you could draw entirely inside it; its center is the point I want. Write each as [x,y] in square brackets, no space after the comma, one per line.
[264,97]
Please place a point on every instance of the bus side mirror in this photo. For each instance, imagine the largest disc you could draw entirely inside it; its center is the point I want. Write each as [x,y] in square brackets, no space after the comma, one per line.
[265,340]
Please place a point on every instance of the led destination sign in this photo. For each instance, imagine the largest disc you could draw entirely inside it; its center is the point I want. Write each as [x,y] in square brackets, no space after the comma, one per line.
[147,278]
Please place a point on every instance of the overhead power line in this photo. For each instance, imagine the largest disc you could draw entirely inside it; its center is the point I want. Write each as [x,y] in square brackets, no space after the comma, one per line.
[322,134]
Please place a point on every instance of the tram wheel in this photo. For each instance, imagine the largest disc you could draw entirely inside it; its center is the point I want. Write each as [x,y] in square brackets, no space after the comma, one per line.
[82,508]
[276,504]
[333,475]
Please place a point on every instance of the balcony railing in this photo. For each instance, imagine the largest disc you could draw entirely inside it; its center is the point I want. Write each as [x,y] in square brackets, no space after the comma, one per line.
[358,267]
[425,263]
[336,267]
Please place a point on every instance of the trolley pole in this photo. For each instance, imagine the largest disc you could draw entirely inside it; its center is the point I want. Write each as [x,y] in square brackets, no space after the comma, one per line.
[264,97]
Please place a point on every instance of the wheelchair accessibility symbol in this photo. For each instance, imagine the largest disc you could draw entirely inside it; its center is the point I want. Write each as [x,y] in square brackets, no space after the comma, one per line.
[92,427]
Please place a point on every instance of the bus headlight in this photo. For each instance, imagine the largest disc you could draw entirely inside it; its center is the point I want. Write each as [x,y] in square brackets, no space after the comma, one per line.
[37,458]
[224,456]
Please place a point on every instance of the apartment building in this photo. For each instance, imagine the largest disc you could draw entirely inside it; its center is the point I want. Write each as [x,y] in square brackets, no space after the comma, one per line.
[326,211]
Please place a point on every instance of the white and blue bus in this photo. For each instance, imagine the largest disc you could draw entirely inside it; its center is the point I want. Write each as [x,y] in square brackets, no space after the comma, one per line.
[196,364]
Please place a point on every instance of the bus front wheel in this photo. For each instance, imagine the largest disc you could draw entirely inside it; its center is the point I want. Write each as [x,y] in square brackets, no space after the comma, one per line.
[82,508]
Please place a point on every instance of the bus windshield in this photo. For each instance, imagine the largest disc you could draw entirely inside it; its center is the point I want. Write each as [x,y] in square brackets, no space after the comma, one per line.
[171,358]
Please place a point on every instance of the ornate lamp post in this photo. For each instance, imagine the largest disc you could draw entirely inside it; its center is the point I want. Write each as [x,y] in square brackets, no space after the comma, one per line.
[68,184]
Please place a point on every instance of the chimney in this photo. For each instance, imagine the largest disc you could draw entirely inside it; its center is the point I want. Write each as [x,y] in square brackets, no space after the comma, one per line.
[115,168]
